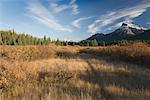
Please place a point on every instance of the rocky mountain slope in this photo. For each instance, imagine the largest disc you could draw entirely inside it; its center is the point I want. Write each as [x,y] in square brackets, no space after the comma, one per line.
[125,32]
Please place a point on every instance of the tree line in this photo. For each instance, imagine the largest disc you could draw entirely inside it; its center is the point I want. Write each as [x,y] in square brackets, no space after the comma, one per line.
[10,37]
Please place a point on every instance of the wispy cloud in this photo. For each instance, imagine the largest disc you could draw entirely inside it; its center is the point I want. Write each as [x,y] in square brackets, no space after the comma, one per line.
[130,23]
[74,7]
[148,23]
[109,18]
[57,8]
[40,13]
[76,23]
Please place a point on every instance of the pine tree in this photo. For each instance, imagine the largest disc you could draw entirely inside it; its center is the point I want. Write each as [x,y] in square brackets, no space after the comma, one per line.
[19,40]
[58,43]
[12,38]
[1,42]
[44,40]
[49,40]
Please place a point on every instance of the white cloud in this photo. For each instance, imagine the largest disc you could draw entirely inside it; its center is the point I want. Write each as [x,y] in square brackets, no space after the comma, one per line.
[56,8]
[40,13]
[74,7]
[109,18]
[92,28]
[131,24]
[76,23]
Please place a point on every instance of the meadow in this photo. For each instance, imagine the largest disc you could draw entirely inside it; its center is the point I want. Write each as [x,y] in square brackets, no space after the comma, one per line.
[53,72]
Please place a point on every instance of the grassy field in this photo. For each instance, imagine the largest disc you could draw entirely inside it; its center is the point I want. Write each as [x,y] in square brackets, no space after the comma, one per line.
[75,73]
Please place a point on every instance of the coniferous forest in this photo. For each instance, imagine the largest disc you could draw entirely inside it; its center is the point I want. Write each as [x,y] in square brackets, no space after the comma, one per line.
[10,37]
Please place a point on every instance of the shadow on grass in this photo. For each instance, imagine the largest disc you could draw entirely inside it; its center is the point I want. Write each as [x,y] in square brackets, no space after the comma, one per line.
[129,81]
[59,81]
[123,55]
[85,54]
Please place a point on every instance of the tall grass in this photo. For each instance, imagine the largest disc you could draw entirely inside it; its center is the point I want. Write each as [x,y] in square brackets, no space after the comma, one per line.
[74,73]
[138,53]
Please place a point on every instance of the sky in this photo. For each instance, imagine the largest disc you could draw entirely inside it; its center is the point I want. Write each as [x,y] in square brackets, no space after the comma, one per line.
[72,20]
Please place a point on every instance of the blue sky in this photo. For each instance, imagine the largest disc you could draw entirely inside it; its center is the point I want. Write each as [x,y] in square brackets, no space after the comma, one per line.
[72,19]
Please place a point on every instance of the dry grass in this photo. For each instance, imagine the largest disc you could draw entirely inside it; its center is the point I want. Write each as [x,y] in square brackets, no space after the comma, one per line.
[74,73]
[138,53]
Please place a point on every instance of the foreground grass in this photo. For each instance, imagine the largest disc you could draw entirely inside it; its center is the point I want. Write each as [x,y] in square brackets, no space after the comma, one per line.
[74,73]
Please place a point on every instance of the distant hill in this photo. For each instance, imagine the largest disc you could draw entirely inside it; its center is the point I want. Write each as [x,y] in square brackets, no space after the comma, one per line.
[125,32]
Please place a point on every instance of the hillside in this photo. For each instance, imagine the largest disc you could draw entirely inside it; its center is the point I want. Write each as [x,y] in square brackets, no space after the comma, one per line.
[123,33]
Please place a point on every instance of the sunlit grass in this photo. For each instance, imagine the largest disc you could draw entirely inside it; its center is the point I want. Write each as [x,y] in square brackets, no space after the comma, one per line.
[69,73]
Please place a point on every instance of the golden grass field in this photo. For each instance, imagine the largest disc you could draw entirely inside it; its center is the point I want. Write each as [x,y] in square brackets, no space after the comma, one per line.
[75,73]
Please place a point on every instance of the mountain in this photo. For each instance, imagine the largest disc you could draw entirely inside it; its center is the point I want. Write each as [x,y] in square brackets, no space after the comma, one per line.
[125,32]
[145,35]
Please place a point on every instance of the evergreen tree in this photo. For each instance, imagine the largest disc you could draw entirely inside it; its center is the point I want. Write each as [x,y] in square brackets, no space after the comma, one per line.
[19,40]
[49,40]
[58,43]
[45,40]
[1,42]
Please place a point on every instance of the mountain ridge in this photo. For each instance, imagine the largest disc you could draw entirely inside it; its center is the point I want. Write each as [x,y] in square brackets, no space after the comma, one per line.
[125,32]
